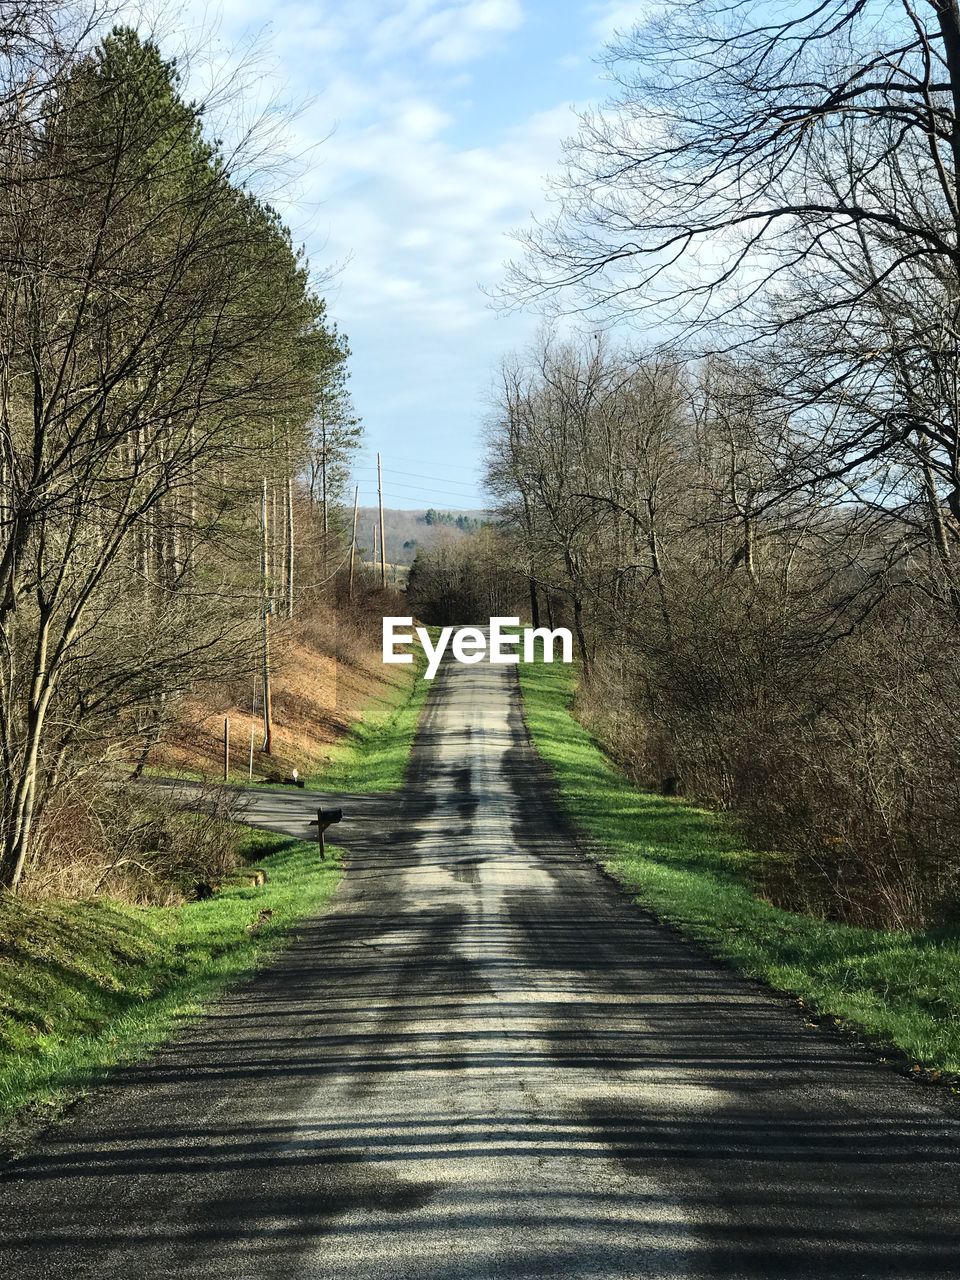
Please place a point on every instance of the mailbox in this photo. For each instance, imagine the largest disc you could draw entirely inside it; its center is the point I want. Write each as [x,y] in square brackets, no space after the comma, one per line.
[326,818]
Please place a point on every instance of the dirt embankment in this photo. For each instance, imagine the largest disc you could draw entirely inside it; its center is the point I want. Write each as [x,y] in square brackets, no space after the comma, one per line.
[322,684]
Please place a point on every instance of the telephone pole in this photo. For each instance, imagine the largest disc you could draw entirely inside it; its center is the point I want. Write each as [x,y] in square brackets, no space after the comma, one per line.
[323,481]
[290,547]
[383,532]
[265,611]
[353,543]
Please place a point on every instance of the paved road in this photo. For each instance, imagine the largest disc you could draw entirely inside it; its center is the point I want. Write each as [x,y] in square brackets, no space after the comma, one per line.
[486,1063]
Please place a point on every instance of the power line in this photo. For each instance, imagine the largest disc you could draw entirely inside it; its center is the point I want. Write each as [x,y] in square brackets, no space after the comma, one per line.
[417,475]
[426,462]
[440,497]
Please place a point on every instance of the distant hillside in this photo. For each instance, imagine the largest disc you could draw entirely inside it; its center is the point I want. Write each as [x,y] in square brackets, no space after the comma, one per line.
[408,530]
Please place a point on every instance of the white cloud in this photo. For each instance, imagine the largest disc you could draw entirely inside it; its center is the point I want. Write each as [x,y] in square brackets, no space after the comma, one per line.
[445,31]
[460,35]
[419,219]
[421,208]
[418,215]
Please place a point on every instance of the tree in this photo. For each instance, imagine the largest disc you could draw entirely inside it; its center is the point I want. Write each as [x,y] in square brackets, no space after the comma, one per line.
[156,322]
[696,185]
[749,624]
[459,581]
[336,432]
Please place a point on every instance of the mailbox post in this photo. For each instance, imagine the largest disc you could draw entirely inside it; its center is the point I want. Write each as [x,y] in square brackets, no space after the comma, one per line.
[326,818]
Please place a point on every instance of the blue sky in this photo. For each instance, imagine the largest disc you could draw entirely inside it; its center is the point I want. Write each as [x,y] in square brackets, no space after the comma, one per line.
[425,131]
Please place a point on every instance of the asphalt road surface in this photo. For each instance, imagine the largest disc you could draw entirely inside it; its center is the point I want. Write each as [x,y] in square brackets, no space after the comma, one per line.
[485,1063]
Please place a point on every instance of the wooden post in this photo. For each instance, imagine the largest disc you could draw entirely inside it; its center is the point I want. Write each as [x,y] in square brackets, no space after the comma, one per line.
[320,840]
[353,543]
[383,531]
[253,717]
[226,748]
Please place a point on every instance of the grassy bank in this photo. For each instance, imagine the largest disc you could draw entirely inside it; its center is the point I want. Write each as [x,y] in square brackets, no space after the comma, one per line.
[687,866]
[85,985]
[373,756]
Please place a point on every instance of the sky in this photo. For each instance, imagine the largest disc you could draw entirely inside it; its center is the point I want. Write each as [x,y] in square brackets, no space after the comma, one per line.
[422,137]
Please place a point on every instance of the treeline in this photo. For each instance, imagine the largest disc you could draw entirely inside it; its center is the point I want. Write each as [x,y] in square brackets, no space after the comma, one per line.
[466,524]
[753,523]
[462,582]
[167,373]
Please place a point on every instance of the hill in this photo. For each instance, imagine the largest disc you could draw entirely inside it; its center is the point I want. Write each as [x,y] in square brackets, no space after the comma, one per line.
[408,530]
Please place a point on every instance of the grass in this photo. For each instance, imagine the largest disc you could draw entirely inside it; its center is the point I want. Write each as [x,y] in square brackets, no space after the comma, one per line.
[688,867]
[374,754]
[87,985]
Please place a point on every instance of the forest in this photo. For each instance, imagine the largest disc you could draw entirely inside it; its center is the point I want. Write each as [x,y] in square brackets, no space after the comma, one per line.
[176,436]
[333,941]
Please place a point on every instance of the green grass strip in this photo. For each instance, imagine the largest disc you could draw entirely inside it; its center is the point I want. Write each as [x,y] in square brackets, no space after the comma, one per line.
[686,865]
[87,985]
[373,756]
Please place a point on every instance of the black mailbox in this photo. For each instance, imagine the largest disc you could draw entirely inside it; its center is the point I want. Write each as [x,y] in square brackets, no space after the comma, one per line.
[326,818]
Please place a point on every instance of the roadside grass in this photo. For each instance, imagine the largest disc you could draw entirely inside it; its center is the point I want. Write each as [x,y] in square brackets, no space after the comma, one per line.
[86,985]
[687,866]
[373,756]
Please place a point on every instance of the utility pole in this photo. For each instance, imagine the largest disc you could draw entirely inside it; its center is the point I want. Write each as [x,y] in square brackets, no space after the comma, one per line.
[290,546]
[265,612]
[376,529]
[353,543]
[383,531]
[270,525]
[323,479]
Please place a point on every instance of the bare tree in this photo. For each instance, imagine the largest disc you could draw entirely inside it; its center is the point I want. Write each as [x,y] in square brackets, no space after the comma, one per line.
[694,189]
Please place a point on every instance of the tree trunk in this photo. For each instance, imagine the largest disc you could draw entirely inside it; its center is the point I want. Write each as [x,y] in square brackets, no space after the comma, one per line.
[534,602]
[586,664]
[290,547]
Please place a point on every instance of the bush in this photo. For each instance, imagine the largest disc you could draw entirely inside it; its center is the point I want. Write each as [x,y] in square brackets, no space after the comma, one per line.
[133,844]
[843,757]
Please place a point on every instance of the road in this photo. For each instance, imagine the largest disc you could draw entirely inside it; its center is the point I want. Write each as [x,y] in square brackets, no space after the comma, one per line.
[485,1063]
